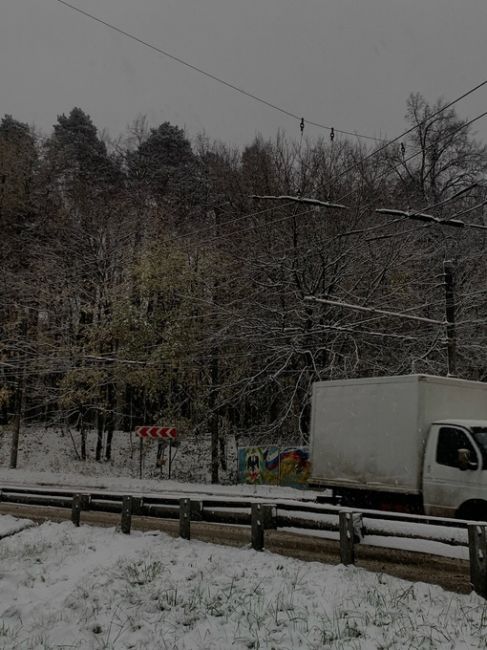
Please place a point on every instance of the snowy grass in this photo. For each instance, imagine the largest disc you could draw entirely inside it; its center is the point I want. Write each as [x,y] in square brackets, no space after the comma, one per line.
[88,588]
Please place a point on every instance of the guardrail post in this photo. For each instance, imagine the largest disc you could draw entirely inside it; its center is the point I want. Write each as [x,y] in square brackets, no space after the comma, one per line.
[185,518]
[257,523]
[76,509]
[263,516]
[350,523]
[126,523]
[80,502]
[477,546]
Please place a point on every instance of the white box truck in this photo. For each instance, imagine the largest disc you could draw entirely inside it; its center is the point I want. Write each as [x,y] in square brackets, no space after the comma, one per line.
[414,443]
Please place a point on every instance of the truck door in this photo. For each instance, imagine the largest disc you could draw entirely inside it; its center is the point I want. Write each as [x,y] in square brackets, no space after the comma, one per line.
[452,472]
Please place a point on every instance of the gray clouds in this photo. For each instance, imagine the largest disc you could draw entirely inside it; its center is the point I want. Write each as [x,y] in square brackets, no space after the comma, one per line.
[347,63]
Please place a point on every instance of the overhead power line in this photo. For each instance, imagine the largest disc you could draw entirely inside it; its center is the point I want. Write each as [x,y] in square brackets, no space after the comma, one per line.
[427,119]
[302,120]
[429,218]
[316,202]
[353,166]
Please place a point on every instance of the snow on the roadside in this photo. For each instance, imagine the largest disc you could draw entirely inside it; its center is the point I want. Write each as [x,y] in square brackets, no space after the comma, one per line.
[10,525]
[127,485]
[48,457]
[90,588]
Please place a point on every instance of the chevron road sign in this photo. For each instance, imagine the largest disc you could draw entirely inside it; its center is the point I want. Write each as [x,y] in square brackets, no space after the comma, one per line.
[168,433]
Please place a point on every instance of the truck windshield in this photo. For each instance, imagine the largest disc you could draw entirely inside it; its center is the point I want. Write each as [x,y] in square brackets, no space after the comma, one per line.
[480,436]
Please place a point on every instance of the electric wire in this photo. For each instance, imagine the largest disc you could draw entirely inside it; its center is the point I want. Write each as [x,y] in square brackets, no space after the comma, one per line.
[209,75]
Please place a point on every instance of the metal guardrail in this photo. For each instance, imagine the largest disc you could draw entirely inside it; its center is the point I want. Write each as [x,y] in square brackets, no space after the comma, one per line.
[351,525]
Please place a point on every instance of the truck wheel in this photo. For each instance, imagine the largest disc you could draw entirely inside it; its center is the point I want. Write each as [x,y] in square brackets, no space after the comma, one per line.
[474,510]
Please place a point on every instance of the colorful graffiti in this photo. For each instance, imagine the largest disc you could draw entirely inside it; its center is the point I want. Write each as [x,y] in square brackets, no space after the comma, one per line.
[258,465]
[295,467]
[274,466]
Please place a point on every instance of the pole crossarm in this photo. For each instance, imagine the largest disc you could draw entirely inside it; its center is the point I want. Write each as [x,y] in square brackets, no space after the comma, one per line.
[298,199]
[429,218]
[421,216]
[373,310]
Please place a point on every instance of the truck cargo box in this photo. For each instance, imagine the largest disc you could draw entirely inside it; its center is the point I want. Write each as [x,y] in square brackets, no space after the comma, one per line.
[371,433]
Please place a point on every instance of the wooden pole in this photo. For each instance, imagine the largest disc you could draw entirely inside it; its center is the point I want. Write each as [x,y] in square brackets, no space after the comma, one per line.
[451,341]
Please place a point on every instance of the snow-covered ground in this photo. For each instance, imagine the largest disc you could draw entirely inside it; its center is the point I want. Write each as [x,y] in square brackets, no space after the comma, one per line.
[11,525]
[95,588]
[57,450]
[48,457]
[67,587]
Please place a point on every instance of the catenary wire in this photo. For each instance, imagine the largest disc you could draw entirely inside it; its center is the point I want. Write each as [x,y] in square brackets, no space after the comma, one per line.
[209,75]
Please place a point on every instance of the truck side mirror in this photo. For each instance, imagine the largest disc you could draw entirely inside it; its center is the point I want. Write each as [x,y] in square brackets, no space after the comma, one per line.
[465,459]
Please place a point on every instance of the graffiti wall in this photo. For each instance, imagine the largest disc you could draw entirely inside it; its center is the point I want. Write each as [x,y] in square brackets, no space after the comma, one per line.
[274,466]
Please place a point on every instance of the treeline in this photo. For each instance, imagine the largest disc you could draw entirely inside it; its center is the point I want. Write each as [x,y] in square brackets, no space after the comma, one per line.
[143,282]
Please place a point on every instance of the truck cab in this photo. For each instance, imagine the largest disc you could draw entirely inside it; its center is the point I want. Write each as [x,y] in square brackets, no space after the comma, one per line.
[455,469]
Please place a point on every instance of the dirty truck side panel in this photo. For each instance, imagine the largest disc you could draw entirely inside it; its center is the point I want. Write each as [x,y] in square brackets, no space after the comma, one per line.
[366,434]
[370,434]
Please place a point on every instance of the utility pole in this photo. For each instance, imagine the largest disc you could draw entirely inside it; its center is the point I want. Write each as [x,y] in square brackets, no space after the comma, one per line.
[451,340]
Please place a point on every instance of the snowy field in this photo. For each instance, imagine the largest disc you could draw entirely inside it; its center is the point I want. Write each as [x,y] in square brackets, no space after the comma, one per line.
[48,457]
[92,588]
[56,449]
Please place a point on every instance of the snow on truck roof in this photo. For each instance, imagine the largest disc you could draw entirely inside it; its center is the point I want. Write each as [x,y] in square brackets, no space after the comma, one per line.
[463,423]
[413,378]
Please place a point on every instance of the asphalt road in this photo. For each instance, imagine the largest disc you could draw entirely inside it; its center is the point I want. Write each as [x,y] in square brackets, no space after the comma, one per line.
[451,574]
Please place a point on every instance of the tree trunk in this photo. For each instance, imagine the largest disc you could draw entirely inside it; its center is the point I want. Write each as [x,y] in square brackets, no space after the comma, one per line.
[16,431]
[214,432]
[83,436]
[109,423]
[110,419]
[223,455]
[100,424]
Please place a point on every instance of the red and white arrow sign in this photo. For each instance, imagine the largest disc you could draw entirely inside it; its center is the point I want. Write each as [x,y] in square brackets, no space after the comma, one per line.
[156,432]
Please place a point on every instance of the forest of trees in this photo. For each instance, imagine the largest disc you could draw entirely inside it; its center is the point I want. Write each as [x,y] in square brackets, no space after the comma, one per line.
[142,281]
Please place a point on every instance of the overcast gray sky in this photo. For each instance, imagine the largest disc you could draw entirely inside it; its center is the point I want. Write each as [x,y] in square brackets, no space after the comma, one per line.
[346,63]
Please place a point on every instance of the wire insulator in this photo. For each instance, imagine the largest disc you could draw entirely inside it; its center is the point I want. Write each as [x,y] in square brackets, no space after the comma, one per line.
[301,124]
